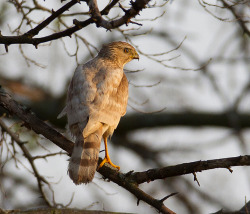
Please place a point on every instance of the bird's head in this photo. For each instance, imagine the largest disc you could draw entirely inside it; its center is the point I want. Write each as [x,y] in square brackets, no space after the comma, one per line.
[119,52]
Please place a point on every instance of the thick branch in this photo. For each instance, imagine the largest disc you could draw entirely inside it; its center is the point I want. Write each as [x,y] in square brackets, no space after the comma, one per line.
[190,119]
[34,123]
[137,6]
[23,39]
[26,38]
[244,210]
[57,210]
[129,181]
[187,168]
[53,16]
[49,107]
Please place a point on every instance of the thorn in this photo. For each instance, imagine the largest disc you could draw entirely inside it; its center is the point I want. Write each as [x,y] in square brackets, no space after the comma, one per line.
[230,170]
[195,178]
[138,201]
[6,48]
[168,196]
[136,23]
[77,23]
[106,179]
[129,173]
[135,6]
[132,3]
[53,11]
[123,9]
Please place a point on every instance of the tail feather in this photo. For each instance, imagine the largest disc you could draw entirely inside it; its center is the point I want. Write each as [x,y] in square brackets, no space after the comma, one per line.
[84,159]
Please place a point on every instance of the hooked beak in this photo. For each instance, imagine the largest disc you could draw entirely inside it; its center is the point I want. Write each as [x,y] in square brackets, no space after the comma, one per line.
[136,55]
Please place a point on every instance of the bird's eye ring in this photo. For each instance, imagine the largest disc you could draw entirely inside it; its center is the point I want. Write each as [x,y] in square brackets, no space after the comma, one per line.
[126,50]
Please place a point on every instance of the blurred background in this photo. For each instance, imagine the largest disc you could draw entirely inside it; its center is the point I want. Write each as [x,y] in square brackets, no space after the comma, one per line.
[194,64]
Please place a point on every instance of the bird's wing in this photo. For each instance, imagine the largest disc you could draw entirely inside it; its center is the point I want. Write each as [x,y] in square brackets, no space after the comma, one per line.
[110,101]
[97,95]
[81,93]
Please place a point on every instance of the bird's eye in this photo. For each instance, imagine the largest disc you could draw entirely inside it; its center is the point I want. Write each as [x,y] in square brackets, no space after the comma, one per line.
[126,50]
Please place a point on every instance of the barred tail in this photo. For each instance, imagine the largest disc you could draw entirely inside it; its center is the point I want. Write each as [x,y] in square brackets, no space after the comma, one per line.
[84,159]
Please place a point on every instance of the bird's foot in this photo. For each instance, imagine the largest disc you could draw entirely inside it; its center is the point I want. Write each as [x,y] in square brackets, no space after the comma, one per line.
[107,160]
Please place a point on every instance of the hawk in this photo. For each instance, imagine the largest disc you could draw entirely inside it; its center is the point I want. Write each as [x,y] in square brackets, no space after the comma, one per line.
[96,100]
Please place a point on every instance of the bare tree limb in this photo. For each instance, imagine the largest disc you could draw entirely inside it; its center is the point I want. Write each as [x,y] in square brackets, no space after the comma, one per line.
[239,19]
[130,185]
[34,123]
[243,210]
[187,168]
[57,210]
[228,119]
[129,181]
[31,33]
[40,179]
[27,38]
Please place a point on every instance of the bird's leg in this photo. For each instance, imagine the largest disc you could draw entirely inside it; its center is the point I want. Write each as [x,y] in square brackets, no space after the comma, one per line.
[107,158]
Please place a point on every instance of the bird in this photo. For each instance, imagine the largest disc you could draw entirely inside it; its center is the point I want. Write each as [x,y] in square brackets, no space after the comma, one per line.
[96,100]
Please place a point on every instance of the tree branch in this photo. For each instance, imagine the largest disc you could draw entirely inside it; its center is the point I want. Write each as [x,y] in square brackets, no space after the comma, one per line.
[40,179]
[228,119]
[34,123]
[137,6]
[31,33]
[187,168]
[130,181]
[239,19]
[27,38]
[57,210]
[127,183]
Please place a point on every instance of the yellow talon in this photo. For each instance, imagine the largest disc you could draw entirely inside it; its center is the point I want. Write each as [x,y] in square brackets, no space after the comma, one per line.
[107,158]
